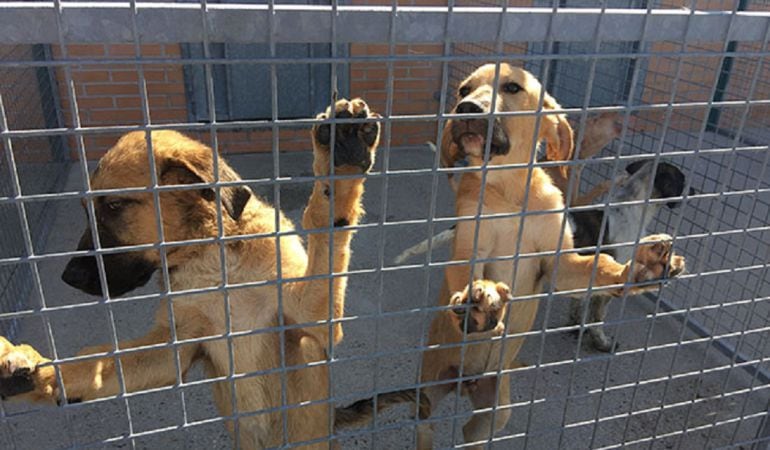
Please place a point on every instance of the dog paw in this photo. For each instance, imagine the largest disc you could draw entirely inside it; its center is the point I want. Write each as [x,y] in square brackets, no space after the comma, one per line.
[483,305]
[653,255]
[354,143]
[604,344]
[19,372]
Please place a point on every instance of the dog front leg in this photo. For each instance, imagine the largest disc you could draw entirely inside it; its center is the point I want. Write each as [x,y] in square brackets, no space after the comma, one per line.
[480,428]
[26,375]
[597,313]
[355,146]
[458,276]
[653,256]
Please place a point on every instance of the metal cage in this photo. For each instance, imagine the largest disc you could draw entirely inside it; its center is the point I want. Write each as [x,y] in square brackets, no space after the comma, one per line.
[689,81]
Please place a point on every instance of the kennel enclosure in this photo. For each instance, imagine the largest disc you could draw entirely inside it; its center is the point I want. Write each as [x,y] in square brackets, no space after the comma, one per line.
[690,84]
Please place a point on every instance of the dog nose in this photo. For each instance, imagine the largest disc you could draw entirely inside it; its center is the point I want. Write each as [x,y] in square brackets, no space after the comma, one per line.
[469,107]
[75,274]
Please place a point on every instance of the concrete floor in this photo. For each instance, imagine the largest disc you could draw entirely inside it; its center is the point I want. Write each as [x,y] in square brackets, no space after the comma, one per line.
[560,403]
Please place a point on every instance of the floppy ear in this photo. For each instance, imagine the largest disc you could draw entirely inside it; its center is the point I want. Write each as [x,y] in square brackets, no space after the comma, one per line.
[635,166]
[557,134]
[450,152]
[669,181]
[185,171]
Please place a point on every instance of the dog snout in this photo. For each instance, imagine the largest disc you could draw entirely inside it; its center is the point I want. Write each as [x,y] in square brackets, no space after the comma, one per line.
[469,107]
[81,273]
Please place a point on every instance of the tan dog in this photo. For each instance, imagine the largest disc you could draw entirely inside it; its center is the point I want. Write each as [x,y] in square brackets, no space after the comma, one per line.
[513,140]
[129,219]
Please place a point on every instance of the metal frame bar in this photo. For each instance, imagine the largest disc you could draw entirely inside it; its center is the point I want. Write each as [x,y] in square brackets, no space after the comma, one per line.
[284,23]
[34,22]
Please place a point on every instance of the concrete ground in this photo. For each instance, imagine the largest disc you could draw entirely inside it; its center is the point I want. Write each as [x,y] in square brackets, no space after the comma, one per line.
[568,397]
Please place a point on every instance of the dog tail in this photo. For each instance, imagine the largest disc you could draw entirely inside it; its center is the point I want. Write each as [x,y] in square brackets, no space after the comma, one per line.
[436,241]
[362,411]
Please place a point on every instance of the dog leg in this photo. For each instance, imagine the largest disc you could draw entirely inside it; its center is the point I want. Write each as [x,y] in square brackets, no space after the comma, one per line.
[482,396]
[434,395]
[589,197]
[597,313]
[652,256]
[27,376]
[458,276]
[355,146]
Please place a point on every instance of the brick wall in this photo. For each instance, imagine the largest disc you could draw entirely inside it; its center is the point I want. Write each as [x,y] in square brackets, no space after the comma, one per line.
[109,94]
[415,86]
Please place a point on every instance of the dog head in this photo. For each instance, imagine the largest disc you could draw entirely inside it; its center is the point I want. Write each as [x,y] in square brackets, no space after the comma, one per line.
[669,180]
[512,137]
[130,219]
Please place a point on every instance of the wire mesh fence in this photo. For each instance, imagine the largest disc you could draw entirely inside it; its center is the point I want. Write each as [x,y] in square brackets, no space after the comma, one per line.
[222,330]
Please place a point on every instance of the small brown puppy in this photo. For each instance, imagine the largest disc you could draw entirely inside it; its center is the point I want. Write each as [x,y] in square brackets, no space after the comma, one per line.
[129,219]
[513,140]
[476,318]
[478,313]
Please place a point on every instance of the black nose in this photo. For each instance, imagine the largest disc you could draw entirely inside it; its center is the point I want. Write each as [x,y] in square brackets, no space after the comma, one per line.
[469,107]
[81,273]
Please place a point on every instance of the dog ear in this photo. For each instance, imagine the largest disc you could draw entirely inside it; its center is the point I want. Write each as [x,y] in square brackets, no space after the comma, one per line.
[234,198]
[635,166]
[557,134]
[669,182]
[188,171]
[450,151]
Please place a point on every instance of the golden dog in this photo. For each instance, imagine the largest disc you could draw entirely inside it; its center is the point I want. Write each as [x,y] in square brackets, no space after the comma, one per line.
[512,141]
[129,219]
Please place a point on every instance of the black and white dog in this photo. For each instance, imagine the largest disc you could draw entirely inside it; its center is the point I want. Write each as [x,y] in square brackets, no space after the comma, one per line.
[624,225]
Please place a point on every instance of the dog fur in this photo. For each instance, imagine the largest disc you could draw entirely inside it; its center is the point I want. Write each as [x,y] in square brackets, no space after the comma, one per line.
[512,142]
[125,219]
[623,225]
[600,130]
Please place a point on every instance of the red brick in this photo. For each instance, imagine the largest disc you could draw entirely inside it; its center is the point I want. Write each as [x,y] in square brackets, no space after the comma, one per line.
[169,115]
[175,100]
[174,75]
[128,50]
[416,72]
[112,89]
[415,84]
[166,88]
[83,50]
[88,103]
[172,50]
[133,75]
[90,76]
[116,116]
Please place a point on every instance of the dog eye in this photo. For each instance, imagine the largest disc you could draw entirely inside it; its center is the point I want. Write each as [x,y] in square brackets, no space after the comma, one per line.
[511,88]
[117,205]
[464,91]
